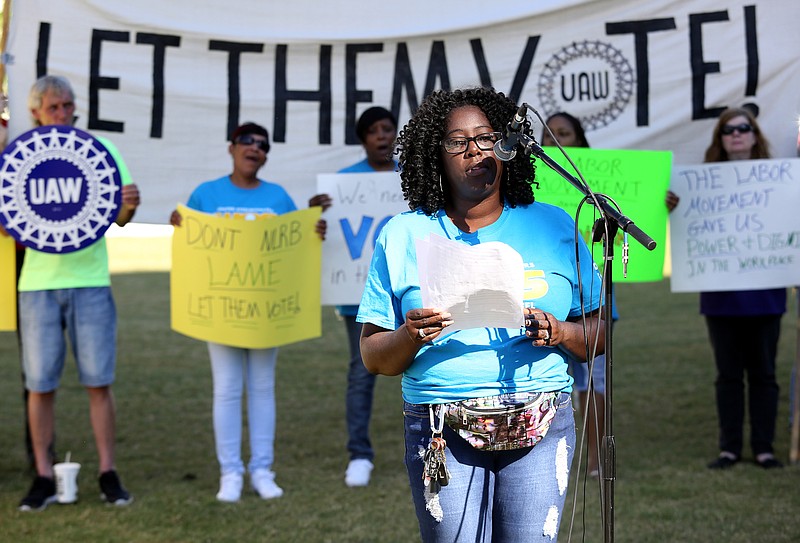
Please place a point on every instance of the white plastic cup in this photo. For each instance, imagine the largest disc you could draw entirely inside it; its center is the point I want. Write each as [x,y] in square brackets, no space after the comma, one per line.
[67,481]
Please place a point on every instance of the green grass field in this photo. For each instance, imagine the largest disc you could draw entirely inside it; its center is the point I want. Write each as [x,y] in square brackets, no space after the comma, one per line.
[664,424]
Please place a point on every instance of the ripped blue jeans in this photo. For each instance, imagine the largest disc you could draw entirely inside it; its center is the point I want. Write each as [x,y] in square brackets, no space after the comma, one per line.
[503,496]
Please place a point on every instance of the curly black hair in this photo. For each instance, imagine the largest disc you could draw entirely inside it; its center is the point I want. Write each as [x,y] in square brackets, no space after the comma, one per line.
[419,148]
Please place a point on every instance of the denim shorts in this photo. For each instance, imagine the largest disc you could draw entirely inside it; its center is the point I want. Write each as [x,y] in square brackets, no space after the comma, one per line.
[88,317]
[515,495]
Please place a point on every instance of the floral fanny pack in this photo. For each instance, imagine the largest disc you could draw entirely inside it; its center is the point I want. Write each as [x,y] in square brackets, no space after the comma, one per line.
[504,422]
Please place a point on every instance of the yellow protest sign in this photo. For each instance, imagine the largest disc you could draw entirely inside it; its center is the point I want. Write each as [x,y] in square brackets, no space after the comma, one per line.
[8,284]
[247,283]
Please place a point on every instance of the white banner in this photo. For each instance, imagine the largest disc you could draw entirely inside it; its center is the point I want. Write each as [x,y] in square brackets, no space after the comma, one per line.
[736,226]
[167,80]
[362,204]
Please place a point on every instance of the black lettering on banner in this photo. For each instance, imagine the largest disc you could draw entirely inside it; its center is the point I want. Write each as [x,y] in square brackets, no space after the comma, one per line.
[403,79]
[594,86]
[160,42]
[524,68]
[235,50]
[480,62]
[640,29]
[44,48]
[98,82]
[321,95]
[751,41]
[437,68]
[700,68]
[352,94]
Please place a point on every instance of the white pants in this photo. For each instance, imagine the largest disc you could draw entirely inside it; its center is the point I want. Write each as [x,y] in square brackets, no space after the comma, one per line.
[231,367]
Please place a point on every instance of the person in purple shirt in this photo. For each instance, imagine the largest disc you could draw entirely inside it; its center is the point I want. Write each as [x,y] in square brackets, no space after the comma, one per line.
[728,314]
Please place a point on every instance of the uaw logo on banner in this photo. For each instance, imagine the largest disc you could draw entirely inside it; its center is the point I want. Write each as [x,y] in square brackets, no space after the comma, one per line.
[60,189]
[590,79]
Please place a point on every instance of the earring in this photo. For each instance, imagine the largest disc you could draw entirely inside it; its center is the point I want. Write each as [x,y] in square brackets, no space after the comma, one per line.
[441,188]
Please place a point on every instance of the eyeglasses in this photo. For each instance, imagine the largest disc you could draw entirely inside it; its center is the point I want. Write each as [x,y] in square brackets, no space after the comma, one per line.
[485,142]
[729,129]
[247,139]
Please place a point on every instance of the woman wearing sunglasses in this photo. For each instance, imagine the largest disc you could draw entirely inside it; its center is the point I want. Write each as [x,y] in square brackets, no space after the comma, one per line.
[737,136]
[242,194]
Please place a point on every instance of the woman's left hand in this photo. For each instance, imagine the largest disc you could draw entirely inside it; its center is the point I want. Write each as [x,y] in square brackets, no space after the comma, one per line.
[672,200]
[321,228]
[130,196]
[573,334]
[542,326]
[322,200]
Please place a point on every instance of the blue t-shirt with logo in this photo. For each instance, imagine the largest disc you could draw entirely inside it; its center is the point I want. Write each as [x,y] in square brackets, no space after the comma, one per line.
[223,198]
[482,362]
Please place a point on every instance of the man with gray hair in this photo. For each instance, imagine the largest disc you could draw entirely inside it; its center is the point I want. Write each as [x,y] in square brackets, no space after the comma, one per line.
[70,293]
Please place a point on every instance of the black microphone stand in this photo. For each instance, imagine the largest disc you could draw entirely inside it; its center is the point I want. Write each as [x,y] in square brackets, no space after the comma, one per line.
[605,228]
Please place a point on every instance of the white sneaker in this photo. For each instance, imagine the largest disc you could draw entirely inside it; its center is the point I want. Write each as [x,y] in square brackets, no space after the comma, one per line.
[263,481]
[230,487]
[358,472]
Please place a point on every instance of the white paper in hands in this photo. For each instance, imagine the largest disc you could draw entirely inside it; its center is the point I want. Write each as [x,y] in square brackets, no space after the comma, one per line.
[480,285]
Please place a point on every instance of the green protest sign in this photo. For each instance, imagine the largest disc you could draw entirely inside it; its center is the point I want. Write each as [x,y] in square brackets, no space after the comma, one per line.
[636,180]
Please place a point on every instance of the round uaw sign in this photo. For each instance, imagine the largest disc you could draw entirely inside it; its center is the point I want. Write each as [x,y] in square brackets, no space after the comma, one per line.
[592,80]
[60,189]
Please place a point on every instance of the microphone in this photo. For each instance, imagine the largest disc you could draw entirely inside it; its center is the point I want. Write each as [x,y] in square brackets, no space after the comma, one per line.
[505,148]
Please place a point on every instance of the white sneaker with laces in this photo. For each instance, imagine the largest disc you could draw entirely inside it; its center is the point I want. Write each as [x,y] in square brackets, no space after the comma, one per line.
[230,487]
[263,481]
[358,472]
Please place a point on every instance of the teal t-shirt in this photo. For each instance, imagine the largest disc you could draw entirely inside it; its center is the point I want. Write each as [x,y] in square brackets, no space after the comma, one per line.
[222,197]
[481,362]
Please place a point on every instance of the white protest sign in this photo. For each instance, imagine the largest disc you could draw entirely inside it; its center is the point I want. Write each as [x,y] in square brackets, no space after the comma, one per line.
[362,204]
[737,226]
[479,285]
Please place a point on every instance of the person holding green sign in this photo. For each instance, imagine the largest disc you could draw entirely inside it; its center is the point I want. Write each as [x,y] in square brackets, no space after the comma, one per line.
[569,132]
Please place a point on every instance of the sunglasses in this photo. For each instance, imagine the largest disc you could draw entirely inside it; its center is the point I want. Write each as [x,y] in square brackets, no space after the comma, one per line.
[247,139]
[729,129]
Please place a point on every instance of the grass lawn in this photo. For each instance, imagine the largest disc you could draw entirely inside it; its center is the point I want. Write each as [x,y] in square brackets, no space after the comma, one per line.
[664,427]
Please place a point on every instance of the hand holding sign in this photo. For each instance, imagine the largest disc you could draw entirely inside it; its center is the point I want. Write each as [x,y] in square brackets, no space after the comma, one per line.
[737,226]
[251,284]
